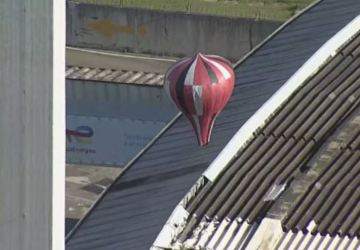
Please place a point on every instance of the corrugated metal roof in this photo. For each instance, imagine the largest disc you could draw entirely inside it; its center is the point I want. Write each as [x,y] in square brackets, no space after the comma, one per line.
[137,205]
[302,240]
[330,194]
[114,76]
[326,195]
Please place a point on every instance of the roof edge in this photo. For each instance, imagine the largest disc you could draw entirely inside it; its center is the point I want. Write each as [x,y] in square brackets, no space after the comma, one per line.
[256,121]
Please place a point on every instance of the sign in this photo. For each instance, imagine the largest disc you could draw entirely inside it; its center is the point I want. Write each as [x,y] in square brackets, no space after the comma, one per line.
[106,141]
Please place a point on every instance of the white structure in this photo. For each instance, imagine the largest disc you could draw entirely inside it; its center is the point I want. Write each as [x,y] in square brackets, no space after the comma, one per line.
[32,124]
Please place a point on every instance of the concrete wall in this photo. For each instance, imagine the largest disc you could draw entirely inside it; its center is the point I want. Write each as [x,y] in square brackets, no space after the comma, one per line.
[162,33]
[103,99]
[127,116]
[32,124]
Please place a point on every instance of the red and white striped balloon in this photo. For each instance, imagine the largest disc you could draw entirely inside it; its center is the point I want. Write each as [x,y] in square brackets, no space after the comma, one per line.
[200,87]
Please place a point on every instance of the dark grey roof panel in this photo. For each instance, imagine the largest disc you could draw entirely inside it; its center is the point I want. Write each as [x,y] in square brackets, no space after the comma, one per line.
[104,231]
[176,150]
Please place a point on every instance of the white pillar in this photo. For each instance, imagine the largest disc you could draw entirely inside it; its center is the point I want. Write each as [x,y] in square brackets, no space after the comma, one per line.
[32,124]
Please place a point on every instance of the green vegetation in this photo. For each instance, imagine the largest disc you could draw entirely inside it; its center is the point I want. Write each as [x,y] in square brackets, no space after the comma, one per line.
[260,9]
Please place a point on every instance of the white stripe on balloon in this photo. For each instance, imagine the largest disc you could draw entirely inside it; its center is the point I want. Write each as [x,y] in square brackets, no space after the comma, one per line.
[189,79]
[222,69]
[198,100]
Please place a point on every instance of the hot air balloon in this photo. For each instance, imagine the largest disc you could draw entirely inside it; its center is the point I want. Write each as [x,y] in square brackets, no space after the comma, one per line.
[200,87]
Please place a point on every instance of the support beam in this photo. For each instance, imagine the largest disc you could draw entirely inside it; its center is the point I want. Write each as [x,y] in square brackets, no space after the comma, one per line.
[32,124]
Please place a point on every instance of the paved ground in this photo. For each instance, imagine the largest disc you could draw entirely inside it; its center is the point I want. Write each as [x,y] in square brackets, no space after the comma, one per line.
[84,184]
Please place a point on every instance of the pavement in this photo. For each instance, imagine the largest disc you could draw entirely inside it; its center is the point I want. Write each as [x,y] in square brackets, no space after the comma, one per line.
[84,184]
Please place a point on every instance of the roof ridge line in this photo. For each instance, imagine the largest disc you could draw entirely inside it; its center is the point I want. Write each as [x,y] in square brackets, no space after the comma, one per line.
[257,120]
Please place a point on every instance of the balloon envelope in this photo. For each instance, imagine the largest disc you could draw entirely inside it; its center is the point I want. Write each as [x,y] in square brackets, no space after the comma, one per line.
[200,87]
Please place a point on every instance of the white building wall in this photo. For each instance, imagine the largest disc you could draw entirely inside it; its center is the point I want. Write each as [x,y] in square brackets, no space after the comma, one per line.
[32,124]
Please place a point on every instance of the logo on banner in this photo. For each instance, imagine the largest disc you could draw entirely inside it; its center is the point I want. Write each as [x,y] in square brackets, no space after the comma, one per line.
[106,141]
[81,135]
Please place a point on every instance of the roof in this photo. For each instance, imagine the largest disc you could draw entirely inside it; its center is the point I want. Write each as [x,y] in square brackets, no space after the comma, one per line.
[134,209]
[114,75]
[301,168]
[332,173]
